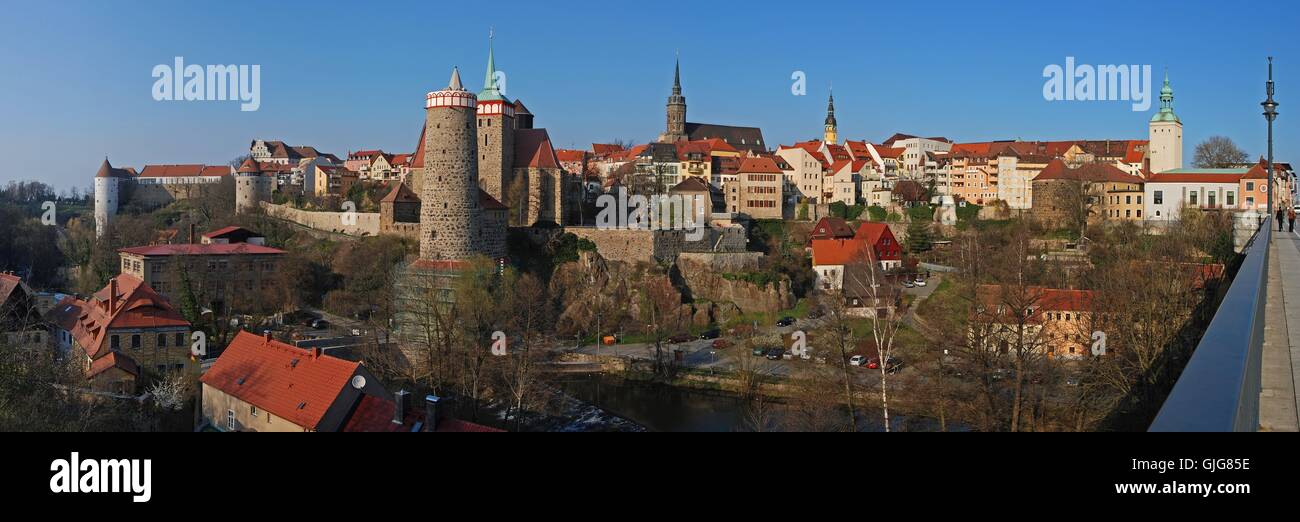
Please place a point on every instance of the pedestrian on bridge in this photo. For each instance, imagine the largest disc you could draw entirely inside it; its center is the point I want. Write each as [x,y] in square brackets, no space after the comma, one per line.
[1290,218]
[1280,216]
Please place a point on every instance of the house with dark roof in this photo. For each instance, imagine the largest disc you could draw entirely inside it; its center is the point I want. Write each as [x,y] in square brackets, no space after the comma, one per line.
[21,324]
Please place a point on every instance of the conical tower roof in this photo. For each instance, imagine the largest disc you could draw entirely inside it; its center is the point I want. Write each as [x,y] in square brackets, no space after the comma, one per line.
[105,170]
[249,167]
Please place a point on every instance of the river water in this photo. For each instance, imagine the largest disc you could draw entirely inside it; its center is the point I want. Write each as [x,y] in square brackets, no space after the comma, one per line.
[659,407]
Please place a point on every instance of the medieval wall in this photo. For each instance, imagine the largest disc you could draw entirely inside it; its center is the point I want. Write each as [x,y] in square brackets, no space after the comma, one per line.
[366,224]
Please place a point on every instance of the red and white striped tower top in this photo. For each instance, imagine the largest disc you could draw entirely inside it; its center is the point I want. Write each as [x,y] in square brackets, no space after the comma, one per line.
[454,95]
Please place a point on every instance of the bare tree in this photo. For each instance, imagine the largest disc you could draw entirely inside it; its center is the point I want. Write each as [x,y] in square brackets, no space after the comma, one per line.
[1218,152]
[866,280]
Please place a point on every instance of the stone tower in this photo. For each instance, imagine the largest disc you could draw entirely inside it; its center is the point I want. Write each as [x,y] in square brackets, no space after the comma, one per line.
[496,135]
[676,130]
[1166,133]
[106,194]
[450,216]
[831,130]
[252,187]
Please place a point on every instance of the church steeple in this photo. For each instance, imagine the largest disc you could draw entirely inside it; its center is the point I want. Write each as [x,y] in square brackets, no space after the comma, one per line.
[490,90]
[831,132]
[676,129]
[1166,103]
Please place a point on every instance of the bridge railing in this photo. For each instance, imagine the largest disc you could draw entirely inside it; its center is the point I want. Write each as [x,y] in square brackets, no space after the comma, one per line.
[1219,388]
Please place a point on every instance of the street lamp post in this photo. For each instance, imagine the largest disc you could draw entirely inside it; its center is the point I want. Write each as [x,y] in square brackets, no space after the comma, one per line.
[1270,114]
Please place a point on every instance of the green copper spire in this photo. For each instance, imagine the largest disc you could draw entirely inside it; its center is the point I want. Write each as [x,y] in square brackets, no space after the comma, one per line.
[1166,103]
[490,91]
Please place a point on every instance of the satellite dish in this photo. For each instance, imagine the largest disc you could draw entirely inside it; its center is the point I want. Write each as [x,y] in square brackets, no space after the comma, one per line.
[358,382]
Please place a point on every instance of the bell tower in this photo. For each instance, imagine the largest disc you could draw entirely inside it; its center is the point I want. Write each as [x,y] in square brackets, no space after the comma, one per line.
[830,132]
[1166,133]
[676,129]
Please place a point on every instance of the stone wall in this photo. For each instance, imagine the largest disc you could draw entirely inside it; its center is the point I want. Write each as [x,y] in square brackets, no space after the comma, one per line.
[367,224]
[660,245]
[704,276]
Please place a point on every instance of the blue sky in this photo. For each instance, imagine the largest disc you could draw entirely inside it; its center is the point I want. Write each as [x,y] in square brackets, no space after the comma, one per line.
[76,82]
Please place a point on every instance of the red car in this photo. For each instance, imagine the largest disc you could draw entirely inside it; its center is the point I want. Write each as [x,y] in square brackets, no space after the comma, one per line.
[720,344]
[681,338]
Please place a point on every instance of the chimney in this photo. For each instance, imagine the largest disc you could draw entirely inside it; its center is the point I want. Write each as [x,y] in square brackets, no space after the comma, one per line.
[112,295]
[267,334]
[401,399]
[192,233]
[431,413]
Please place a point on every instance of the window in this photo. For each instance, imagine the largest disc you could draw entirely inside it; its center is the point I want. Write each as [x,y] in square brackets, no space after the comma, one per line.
[1160,197]
[252,410]
[114,342]
[1250,186]
[1231,199]
[1191,198]
[230,420]
[162,340]
[180,339]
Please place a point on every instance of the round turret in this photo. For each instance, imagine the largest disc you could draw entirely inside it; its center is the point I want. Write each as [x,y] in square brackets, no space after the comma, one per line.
[450,214]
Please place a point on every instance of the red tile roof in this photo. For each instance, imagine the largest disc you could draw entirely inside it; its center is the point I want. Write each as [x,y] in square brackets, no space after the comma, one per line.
[1195,177]
[759,165]
[488,202]
[179,171]
[838,251]
[569,155]
[201,250]
[8,282]
[136,306]
[533,149]
[400,193]
[375,414]
[603,149]
[295,384]
[113,360]
[228,230]
[1057,170]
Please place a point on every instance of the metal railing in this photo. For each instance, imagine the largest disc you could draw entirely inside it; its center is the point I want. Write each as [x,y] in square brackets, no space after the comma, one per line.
[1219,389]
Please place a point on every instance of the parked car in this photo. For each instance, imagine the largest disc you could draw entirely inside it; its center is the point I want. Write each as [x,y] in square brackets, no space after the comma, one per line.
[356,332]
[721,344]
[815,313]
[920,282]
[857,360]
[681,338]
[759,351]
[609,340]
[711,333]
[320,324]
[775,354]
[891,364]
[907,283]
[785,321]
[1072,381]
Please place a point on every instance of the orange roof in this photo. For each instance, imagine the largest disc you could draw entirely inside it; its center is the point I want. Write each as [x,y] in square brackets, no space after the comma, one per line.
[839,251]
[400,193]
[183,171]
[871,232]
[1056,169]
[135,306]
[1041,300]
[602,148]
[295,384]
[759,165]
[570,155]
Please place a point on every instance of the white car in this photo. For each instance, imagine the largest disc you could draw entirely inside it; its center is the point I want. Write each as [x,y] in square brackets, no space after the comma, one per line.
[920,282]
[858,360]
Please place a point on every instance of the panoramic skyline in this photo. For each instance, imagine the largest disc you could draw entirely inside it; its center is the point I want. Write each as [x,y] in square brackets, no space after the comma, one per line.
[355,78]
